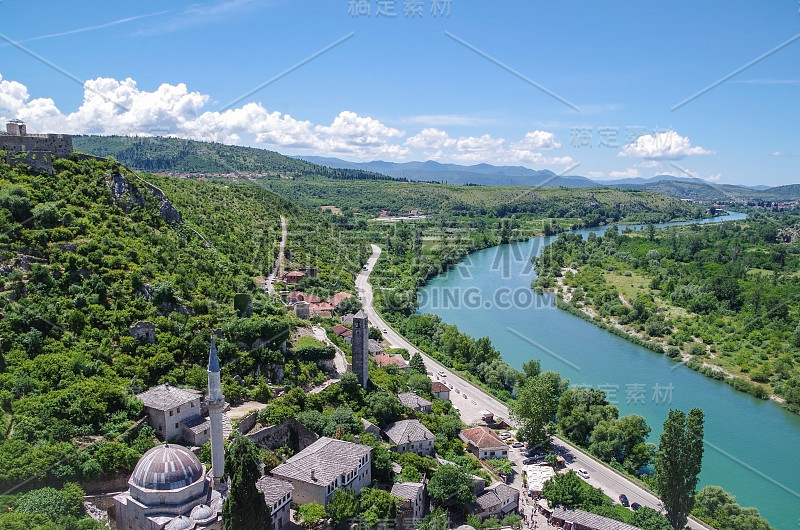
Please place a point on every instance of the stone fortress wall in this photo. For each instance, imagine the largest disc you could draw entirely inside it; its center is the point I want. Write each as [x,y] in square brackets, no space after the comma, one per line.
[35,150]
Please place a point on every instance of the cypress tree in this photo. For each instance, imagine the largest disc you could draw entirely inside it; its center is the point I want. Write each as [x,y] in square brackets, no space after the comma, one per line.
[245,507]
[678,462]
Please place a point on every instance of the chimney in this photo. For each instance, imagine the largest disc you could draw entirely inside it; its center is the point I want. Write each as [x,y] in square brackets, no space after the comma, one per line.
[357,439]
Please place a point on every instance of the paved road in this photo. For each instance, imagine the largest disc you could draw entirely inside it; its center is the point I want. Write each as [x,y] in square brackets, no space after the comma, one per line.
[277,268]
[476,400]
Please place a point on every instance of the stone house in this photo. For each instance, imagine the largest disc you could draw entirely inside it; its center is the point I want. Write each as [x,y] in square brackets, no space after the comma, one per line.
[414,402]
[410,436]
[440,390]
[325,466]
[484,443]
[498,499]
[413,507]
[168,407]
[278,496]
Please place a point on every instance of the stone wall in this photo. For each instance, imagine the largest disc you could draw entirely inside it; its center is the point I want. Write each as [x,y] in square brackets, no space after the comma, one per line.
[291,432]
[247,423]
[35,150]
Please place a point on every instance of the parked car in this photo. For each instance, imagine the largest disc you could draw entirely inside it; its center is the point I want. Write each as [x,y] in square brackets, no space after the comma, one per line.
[518,444]
[504,435]
[465,396]
[528,461]
[583,473]
[623,500]
[635,506]
[441,373]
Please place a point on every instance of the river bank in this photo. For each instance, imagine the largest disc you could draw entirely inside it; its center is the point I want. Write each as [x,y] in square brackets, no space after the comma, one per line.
[564,300]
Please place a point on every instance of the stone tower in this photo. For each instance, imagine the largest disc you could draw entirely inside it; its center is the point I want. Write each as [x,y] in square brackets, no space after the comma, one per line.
[361,347]
[216,403]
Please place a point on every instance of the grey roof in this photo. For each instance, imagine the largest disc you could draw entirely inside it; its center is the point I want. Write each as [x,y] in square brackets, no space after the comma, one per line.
[407,431]
[412,400]
[273,489]
[360,314]
[327,458]
[165,397]
[590,520]
[213,361]
[485,501]
[406,490]
[374,346]
[197,424]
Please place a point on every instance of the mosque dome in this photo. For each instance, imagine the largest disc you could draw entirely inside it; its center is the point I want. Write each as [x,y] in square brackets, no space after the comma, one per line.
[180,523]
[167,467]
[201,512]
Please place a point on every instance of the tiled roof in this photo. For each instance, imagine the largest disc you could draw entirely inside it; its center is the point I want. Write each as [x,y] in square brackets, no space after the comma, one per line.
[412,400]
[406,490]
[165,397]
[438,386]
[486,500]
[301,296]
[327,458]
[590,520]
[273,489]
[339,298]
[339,330]
[497,495]
[482,438]
[407,431]
[385,359]
[374,346]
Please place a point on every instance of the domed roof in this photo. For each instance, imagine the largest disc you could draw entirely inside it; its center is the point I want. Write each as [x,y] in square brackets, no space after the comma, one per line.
[201,512]
[167,467]
[180,523]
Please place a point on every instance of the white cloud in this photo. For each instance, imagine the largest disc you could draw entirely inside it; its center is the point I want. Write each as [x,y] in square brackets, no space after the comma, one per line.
[667,145]
[595,174]
[715,178]
[112,106]
[631,172]
[537,140]
[649,164]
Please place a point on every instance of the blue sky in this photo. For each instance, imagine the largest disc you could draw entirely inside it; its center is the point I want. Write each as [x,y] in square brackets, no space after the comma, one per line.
[590,88]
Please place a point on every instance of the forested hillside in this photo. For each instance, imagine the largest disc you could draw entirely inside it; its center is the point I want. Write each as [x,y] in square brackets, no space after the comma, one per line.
[590,207]
[721,297]
[85,254]
[176,155]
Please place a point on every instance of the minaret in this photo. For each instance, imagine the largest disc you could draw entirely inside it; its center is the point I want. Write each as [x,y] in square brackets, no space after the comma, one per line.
[216,402]
[360,343]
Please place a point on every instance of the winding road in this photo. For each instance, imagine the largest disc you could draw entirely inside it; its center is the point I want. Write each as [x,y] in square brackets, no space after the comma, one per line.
[470,401]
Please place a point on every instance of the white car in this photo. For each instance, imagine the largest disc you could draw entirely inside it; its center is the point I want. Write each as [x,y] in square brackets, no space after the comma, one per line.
[583,473]
[441,373]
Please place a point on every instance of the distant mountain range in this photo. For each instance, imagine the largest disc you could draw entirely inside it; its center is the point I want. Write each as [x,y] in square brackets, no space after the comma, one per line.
[489,175]
[156,154]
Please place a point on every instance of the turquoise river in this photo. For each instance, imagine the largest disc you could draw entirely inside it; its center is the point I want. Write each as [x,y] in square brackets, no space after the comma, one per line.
[752,446]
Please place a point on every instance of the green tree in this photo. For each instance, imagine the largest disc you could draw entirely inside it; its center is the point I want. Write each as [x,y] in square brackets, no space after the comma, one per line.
[245,506]
[417,363]
[342,507]
[451,487]
[570,491]
[377,505]
[678,462]
[419,384]
[647,518]
[46,501]
[310,515]
[535,407]
[436,520]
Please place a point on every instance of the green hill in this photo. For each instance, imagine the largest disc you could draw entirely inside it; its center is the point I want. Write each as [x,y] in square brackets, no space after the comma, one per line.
[175,155]
[90,251]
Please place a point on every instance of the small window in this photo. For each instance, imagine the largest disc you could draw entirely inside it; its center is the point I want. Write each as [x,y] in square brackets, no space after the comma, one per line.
[179,410]
[170,413]
[176,425]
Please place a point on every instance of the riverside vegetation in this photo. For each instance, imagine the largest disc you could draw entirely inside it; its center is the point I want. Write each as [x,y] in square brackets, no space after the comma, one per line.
[722,298]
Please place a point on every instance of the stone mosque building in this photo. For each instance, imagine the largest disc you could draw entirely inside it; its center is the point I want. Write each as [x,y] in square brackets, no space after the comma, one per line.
[170,488]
